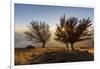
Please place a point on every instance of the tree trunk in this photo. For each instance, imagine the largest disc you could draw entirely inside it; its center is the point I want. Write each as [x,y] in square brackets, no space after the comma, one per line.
[67,45]
[43,45]
[72,46]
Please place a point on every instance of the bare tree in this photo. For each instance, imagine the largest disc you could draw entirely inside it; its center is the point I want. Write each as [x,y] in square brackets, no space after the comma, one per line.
[72,30]
[38,32]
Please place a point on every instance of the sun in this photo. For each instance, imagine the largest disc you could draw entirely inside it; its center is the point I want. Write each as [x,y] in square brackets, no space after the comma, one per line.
[63,29]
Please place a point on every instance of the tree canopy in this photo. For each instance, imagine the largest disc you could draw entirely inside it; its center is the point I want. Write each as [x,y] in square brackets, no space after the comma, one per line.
[38,32]
[72,30]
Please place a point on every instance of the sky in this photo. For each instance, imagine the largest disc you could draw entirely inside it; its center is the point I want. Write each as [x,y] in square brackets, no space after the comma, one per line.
[25,13]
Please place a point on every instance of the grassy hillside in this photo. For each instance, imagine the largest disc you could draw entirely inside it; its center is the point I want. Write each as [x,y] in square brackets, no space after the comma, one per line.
[25,56]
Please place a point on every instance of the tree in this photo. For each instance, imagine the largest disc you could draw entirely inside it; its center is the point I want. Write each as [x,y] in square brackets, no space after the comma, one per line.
[38,32]
[72,30]
[62,31]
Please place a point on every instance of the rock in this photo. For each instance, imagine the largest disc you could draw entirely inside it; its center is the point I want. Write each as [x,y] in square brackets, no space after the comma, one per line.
[30,47]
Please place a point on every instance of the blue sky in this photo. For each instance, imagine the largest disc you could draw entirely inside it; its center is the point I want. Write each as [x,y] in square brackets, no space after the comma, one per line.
[25,13]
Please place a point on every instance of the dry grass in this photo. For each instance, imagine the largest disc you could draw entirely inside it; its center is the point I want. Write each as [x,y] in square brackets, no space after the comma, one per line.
[49,55]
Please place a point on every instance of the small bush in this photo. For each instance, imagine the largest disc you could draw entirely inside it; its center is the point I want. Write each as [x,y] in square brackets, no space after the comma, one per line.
[30,47]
